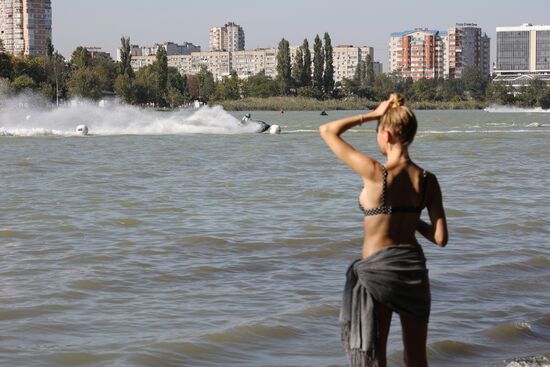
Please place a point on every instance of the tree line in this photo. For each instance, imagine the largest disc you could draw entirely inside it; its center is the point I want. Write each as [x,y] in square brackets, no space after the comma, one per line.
[307,76]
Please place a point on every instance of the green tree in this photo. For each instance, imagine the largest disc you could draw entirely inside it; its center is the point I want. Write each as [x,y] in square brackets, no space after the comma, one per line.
[57,74]
[449,90]
[178,83]
[126,57]
[318,64]
[474,82]
[49,48]
[360,72]
[423,90]
[85,83]
[145,86]
[34,67]
[124,87]
[544,100]
[383,87]
[23,82]
[298,68]
[533,93]
[107,69]
[260,86]
[228,89]
[328,75]
[284,74]
[500,93]
[306,76]
[207,84]
[369,71]
[161,67]
[81,58]
[6,66]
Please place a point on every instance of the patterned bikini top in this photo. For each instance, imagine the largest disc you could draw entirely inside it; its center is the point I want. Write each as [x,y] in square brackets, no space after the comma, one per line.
[385,209]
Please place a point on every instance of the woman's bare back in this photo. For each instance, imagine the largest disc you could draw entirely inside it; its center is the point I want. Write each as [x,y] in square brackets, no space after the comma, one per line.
[394,212]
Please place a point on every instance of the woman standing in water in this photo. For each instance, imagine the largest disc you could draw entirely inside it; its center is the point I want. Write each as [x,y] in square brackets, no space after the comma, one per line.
[392,274]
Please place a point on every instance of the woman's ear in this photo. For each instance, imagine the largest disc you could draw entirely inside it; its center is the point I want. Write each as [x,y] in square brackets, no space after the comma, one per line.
[388,136]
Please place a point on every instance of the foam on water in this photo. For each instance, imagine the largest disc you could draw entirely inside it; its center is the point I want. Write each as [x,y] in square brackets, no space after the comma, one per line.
[28,115]
[513,109]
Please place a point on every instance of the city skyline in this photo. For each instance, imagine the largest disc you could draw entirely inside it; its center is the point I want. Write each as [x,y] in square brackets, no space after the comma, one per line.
[101,23]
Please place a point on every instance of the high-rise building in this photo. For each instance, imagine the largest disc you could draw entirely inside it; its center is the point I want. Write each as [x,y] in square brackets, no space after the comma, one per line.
[417,54]
[466,46]
[25,25]
[230,38]
[346,58]
[523,53]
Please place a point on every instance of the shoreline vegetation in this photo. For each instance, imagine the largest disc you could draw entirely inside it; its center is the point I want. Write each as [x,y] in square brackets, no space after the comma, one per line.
[354,103]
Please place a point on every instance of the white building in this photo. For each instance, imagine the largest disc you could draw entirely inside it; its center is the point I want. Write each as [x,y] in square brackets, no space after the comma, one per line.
[523,53]
[230,37]
[248,63]
[170,47]
[346,58]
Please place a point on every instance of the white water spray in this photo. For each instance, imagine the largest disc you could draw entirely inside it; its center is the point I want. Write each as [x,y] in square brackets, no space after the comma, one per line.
[30,115]
[514,109]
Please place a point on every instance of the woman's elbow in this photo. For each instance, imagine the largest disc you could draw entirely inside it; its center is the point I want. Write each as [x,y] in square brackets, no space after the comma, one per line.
[441,239]
[323,129]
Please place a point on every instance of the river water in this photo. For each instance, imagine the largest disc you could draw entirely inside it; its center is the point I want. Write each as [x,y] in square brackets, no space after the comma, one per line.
[182,239]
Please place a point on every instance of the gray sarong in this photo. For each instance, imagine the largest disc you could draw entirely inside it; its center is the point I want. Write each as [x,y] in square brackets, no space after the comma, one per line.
[395,276]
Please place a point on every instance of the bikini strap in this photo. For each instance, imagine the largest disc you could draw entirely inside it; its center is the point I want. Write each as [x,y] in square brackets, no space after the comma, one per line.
[424,184]
[384,186]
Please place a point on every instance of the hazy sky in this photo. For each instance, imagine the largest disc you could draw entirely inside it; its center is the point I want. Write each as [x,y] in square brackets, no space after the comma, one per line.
[101,23]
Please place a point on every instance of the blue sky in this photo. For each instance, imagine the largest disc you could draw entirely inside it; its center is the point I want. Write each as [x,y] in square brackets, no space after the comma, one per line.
[101,23]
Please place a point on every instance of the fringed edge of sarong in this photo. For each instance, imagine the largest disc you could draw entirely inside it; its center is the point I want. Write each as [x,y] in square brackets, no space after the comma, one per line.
[346,330]
[360,358]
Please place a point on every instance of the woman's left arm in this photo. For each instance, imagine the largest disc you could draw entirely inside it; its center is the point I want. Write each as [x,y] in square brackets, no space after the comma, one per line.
[357,161]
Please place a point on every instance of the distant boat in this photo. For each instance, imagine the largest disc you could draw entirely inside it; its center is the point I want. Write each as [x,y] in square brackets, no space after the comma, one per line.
[324,113]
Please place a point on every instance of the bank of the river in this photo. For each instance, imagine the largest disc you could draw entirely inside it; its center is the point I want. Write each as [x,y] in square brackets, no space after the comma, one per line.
[312,104]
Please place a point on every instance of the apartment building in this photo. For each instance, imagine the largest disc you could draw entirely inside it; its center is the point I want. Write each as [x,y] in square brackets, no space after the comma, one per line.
[425,53]
[171,49]
[523,53]
[418,53]
[466,46]
[25,25]
[230,38]
[346,58]
[248,63]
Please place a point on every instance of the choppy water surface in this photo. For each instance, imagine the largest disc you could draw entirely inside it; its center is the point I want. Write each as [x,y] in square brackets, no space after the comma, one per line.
[148,244]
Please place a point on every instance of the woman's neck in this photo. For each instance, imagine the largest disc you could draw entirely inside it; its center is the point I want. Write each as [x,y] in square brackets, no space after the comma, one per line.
[397,154]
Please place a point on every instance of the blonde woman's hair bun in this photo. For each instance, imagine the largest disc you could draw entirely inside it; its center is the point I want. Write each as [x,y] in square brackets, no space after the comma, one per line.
[397,100]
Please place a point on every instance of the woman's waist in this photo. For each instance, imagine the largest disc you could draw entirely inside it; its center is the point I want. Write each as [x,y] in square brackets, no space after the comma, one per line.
[371,248]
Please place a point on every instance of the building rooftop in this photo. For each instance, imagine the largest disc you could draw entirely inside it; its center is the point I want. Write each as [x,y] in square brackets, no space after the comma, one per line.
[433,32]
[525,27]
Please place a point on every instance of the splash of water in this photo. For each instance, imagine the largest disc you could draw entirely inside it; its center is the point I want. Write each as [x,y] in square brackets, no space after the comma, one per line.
[514,109]
[29,115]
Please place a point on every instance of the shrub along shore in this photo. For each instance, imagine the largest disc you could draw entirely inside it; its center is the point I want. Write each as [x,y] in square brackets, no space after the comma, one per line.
[312,104]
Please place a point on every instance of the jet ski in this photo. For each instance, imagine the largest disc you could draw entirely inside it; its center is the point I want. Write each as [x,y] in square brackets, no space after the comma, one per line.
[82,130]
[262,125]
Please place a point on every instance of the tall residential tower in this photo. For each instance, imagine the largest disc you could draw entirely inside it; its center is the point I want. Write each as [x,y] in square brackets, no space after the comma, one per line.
[417,54]
[230,38]
[25,25]
[467,46]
